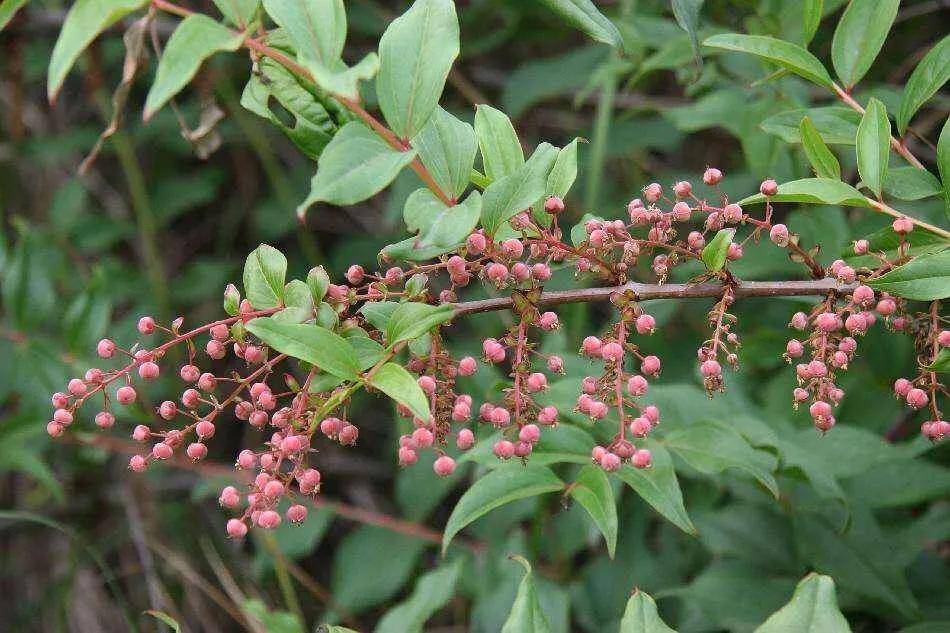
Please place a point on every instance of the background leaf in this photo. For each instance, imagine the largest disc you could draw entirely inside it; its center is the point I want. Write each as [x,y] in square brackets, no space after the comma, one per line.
[859,37]
[586,17]
[873,146]
[924,278]
[822,160]
[928,77]
[787,55]
[641,616]
[686,13]
[526,615]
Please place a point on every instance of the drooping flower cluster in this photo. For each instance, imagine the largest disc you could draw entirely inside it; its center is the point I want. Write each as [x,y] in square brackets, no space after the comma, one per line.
[294,405]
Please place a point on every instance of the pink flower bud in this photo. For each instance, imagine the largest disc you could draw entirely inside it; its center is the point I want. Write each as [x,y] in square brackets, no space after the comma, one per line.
[348,435]
[650,366]
[207,382]
[710,369]
[105,348]
[768,188]
[637,385]
[794,349]
[695,240]
[555,364]
[536,382]
[520,271]
[161,450]
[196,451]
[500,416]
[444,466]
[917,398]
[652,413]
[732,213]
[268,519]
[512,248]
[598,409]
[76,387]
[146,325]
[355,274]
[610,462]
[640,426]
[642,458]
[407,456]
[861,247]
[503,449]
[612,352]
[652,192]
[799,321]
[331,426]
[828,321]
[554,205]
[427,384]
[497,273]
[591,346]
[465,439]
[541,272]
[779,235]
[547,416]
[712,176]
[423,438]
[529,433]
[645,324]
[204,429]
[467,366]
[902,225]
[682,189]
[548,321]
[476,243]
[125,395]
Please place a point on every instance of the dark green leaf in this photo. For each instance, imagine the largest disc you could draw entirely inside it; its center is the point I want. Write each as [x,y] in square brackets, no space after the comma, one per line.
[416,53]
[942,363]
[584,15]
[911,183]
[714,253]
[171,622]
[312,343]
[501,150]
[441,228]
[592,490]
[432,591]
[836,124]
[641,616]
[686,13]
[814,191]
[526,615]
[85,20]
[785,54]
[355,165]
[238,12]
[507,196]
[822,160]
[447,148]
[264,273]
[195,39]
[943,163]
[859,37]
[658,486]
[500,486]
[412,320]
[377,313]
[812,609]
[924,278]
[398,384]
[317,28]
[931,74]
[873,145]
[318,281]
[8,9]
[811,19]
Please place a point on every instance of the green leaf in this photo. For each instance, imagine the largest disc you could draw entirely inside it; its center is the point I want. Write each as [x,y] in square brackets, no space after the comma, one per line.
[317,28]
[501,150]
[355,165]
[859,37]
[238,12]
[378,313]
[811,19]
[686,13]
[942,363]
[924,278]
[318,281]
[943,163]
[564,172]
[298,302]
[412,320]
[371,565]
[447,147]
[195,39]
[264,273]
[814,191]
[85,20]
[432,591]
[500,486]
[712,447]
[587,18]
[873,145]
[931,74]
[168,620]
[641,616]
[836,124]
[340,79]
[398,384]
[714,253]
[812,609]
[785,54]
[441,228]
[416,54]
[911,183]
[8,9]
[886,240]
[822,160]
[526,615]
[658,486]
[592,490]
[511,194]
[316,345]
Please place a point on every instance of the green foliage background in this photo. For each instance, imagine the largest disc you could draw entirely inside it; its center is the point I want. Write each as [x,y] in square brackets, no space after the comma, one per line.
[151,228]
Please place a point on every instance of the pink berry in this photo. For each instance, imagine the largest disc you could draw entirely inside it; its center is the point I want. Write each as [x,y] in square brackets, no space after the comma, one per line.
[465,439]
[548,321]
[591,346]
[529,433]
[642,458]
[423,438]
[637,385]
[547,416]
[861,247]
[682,189]
[650,366]
[712,176]
[554,205]
[779,235]
[407,456]
[645,324]
[268,519]
[902,225]
[794,349]
[348,435]
[917,398]
[54,428]
[640,426]
[105,348]
[354,274]
[196,451]
[902,387]
[146,325]
[503,449]
[161,450]
[444,466]
[536,382]
[137,463]
[297,513]
[105,420]
[76,387]
[710,369]
[125,395]
[427,383]
[768,188]
[610,462]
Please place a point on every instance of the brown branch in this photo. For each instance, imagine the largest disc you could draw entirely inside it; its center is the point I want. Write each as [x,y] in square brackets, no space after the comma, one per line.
[642,292]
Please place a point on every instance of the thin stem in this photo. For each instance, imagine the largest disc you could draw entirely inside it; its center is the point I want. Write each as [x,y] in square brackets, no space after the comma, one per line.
[883,208]
[642,292]
[896,144]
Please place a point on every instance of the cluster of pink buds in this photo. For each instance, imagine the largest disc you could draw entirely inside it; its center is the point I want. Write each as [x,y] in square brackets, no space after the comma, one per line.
[294,414]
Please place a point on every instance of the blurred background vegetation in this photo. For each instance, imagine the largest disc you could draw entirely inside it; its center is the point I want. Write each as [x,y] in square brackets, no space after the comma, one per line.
[151,228]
